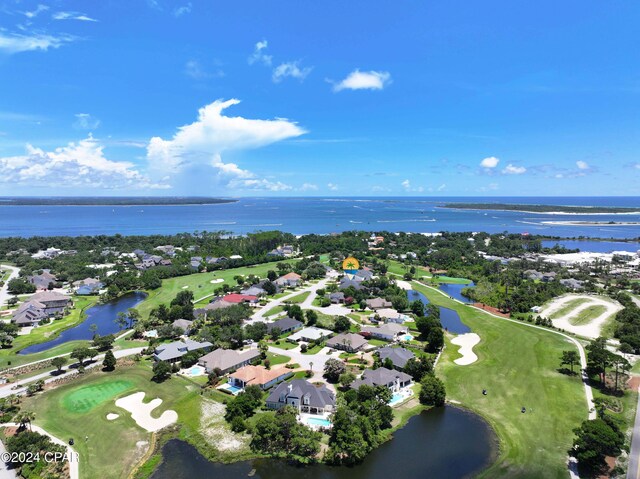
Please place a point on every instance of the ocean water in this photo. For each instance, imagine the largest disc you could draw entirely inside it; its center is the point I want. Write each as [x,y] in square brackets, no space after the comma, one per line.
[315,215]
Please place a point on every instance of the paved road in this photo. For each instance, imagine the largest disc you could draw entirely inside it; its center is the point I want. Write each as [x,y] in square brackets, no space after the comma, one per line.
[5,472]
[633,469]
[7,390]
[4,291]
[74,465]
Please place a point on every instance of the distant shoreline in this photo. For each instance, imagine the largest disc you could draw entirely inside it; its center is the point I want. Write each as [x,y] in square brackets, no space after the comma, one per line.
[115,201]
[545,209]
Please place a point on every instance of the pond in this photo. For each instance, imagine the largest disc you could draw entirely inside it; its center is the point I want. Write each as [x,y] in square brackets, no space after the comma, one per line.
[455,290]
[449,318]
[447,443]
[102,315]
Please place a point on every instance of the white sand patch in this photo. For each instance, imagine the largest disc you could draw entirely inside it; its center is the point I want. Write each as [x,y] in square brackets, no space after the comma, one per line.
[141,412]
[589,330]
[111,416]
[214,428]
[403,284]
[185,287]
[466,342]
[217,280]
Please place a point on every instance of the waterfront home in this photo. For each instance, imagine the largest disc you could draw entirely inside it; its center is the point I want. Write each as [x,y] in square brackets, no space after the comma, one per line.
[40,306]
[304,396]
[399,357]
[86,282]
[285,325]
[394,380]
[43,280]
[348,342]
[228,359]
[172,352]
[310,334]
[377,303]
[289,280]
[386,332]
[184,324]
[88,286]
[258,376]
[389,315]
[337,297]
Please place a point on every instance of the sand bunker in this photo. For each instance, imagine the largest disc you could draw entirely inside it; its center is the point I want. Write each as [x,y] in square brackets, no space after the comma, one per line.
[185,287]
[217,280]
[466,343]
[141,412]
[111,416]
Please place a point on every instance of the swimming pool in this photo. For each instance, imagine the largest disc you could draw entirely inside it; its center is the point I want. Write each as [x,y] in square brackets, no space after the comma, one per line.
[316,421]
[406,337]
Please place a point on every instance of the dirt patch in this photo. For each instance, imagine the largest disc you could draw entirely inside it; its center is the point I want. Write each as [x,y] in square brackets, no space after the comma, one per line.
[634,383]
[216,430]
[492,310]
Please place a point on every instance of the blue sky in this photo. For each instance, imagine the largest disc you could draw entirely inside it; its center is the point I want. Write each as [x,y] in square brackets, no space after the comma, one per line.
[298,98]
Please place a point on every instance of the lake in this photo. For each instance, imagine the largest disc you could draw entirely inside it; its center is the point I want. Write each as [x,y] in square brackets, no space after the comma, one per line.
[449,318]
[102,315]
[315,215]
[443,443]
[455,291]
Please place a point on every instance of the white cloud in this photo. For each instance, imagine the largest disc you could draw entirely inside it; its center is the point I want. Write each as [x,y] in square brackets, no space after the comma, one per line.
[34,13]
[582,165]
[195,70]
[308,187]
[201,144]
[357,80]
[16,43]
[406,184]
[72,16]
[514,170]
[84,121]
[290,69]
[81,164]
[183,10]
[332,187]
[490,162]
[258,55]
[442,187]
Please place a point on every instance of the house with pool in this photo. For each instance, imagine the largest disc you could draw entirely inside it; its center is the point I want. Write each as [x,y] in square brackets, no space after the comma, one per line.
[387,332]
[388,315]
[173,352]
[397,382]
[306,397]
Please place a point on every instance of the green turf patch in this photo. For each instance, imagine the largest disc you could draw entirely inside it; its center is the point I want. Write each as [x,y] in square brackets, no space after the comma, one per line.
[587,315]
[568,307]
[84,399]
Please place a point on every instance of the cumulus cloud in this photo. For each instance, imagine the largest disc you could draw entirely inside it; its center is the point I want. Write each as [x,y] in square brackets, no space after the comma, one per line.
[357,80]
[183,10]
[490,162]
[80,164]
[84,121]
[203,142]
[582,165]
[73,16]
[514,170]
[259,56]
[290,69]
[17,43]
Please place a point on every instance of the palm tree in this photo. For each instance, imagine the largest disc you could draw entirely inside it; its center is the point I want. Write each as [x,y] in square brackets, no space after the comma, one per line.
[26,417]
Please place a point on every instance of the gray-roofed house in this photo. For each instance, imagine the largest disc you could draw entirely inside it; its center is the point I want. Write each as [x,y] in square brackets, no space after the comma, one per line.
[349,342]
[394,380]
[183,324]
[285,325]
[309,334]
[551,276]
[172,352]
[254,291]
[43,280]
[346,282]
[337,297]
[387,331]
[228,359]
[378,303]
[364,274]
[572,283]
[40,306]
[302,395]
[398,356]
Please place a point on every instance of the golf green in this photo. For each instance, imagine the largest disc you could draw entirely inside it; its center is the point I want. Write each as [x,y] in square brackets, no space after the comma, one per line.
[85,398]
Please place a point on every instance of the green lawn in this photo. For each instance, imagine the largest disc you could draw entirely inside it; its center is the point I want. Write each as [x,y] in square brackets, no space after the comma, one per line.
[200,284]
[274,310]
[315,349]
[110,442]
[277,358]
[518,367]
[284,344]
[587,315]
[568,307]
[299,298]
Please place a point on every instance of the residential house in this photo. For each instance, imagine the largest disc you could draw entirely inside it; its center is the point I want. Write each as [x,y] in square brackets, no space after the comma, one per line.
[215,260]
[282,251]
[88,286]
[236,298]
[217,303]
[399,357]
[346,282]
[172,352]
[364,275]
[310,334]
[348,342]
[195,262]
[184,324]
[337,297]
[547,277]
[42,281]
[289,280]
[285,325]
[304,396]
[386,332]
[394,380]
[377,303]
[227,360]
[254,290]
[258,376]
[572,283]
[533,275]
[389,315]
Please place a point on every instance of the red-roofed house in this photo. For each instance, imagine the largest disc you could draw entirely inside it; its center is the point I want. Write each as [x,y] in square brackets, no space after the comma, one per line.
[236,298]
